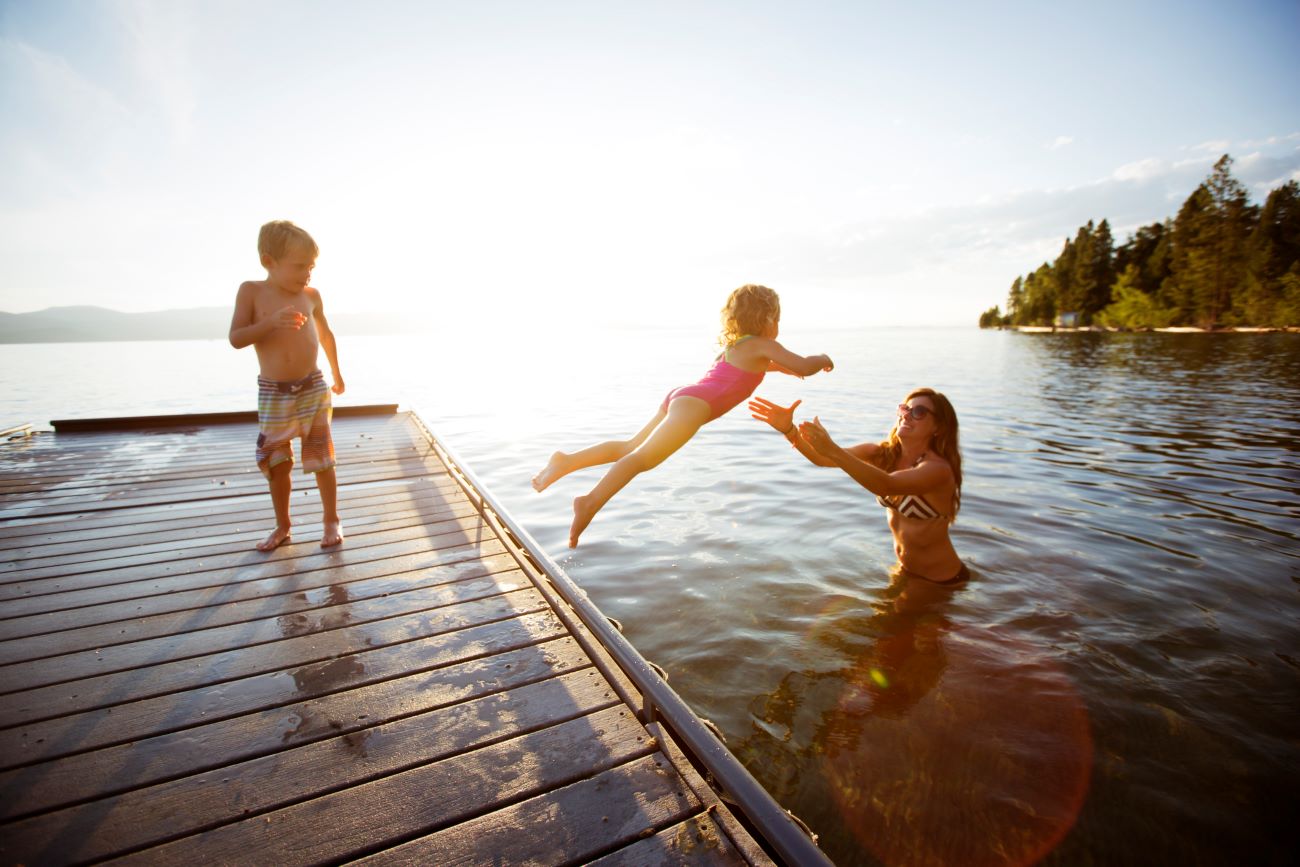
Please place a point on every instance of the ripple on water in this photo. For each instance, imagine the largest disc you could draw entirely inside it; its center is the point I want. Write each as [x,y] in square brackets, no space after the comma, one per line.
[1129,512]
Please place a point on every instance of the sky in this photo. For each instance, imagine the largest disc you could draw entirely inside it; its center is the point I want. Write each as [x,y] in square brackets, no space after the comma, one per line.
[616,163]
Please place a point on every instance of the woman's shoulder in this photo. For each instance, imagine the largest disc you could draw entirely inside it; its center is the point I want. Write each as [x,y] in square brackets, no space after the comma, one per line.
[934,459]
[865,451]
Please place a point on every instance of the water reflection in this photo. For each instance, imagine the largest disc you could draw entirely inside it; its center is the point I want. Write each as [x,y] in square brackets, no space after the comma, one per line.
[926,741]
[1130,500]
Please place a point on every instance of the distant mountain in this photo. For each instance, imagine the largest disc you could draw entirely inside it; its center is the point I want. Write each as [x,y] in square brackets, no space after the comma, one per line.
[99,324]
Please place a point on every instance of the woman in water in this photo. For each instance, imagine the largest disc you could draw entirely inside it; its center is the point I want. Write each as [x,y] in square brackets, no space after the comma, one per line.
[750,321]
[915,475]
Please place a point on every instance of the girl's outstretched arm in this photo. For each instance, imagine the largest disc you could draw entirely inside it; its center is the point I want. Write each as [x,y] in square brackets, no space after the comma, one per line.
[783,360]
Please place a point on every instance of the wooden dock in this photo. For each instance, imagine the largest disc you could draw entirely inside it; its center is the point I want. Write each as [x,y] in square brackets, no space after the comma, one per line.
[435,691]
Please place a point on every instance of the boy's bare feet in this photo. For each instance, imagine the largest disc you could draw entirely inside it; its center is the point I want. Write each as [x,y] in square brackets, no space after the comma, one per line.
[333,534]
[582,515]
[278,537]
[555,468]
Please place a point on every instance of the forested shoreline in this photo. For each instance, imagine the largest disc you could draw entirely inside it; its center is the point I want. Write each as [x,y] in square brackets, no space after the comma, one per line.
[1220,263]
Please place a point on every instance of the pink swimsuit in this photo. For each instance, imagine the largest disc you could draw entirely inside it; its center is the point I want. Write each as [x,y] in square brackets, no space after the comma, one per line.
[724,386]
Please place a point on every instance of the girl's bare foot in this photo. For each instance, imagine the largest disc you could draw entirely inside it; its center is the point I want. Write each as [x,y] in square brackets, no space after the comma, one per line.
[582,515]
[555,468]
[333,534]
[278,537]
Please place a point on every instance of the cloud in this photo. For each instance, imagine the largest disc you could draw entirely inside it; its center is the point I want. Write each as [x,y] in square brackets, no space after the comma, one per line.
[1139,171]
[1271,141]
[1060,141]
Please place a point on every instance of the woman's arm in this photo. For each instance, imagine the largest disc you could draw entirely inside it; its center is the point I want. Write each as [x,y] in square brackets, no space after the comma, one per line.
[913,480]
[781,418]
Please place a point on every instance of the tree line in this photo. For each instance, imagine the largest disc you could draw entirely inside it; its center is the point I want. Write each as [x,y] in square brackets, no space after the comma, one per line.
[1221,262]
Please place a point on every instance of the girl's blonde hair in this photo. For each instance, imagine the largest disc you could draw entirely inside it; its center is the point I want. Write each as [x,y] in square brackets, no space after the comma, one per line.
[945,442]
[748,310]
[276,236]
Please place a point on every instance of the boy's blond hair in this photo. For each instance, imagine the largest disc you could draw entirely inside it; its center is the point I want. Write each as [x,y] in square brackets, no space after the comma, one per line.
[748,311]
[276,237]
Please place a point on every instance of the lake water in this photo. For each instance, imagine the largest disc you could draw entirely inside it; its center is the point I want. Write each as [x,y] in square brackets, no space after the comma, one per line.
[1117,684]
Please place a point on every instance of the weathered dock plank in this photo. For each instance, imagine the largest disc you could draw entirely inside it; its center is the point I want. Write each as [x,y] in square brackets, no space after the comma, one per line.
[534,757]
[242,791]
[241,527]
[421,694]
[111,770]
[134,720]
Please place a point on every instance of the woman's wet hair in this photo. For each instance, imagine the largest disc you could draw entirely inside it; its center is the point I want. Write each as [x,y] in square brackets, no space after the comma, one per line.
[945,442]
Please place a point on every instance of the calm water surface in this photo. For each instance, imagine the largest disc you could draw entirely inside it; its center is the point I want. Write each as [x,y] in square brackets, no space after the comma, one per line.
[1116,685]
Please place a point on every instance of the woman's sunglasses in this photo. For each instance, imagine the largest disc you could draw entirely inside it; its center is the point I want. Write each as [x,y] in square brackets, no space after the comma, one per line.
[915,413]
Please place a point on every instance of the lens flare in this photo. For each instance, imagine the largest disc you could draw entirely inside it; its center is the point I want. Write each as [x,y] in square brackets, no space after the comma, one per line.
[958,746]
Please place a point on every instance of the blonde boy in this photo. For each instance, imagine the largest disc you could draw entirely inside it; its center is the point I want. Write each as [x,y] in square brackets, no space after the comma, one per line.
[292,398]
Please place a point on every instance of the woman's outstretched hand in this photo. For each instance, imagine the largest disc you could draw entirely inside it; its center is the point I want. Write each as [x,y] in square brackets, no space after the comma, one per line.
[779,417]
[817,437]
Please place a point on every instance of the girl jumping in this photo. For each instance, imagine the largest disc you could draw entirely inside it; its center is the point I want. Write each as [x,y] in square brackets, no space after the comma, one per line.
[750,323]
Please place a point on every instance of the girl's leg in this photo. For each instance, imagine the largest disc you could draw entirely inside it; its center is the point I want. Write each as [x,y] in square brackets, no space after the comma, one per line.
[685,416]
[562,464]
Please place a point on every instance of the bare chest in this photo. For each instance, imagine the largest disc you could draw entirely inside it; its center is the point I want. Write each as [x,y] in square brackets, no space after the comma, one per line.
[269,303]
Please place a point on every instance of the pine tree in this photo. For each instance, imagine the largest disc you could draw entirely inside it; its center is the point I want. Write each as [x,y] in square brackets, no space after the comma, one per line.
[1015,301]
[1274,246]
[1225,243]
[1287,311]
[1080,286]
[1101,270]
[1189,270]
[1067,295]
[1041,296]
[1148,249]
[991,318]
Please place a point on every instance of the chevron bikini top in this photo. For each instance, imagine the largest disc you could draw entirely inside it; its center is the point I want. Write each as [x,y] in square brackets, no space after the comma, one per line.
[911,505]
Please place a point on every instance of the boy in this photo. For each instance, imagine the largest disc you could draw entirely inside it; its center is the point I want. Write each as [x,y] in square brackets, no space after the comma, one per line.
[292,398]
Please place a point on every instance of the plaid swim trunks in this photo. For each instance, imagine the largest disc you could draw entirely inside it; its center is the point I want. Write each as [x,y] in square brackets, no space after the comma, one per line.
[294,409]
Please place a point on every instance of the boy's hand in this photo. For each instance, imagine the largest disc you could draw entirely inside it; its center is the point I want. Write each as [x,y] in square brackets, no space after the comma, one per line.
[338,386]
[290,317]
[830,365]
